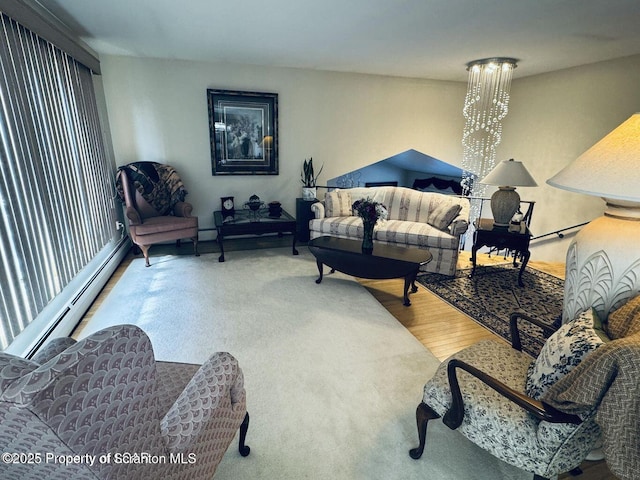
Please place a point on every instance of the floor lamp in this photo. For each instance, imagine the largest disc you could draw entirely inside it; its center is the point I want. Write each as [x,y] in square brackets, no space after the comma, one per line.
[603,260]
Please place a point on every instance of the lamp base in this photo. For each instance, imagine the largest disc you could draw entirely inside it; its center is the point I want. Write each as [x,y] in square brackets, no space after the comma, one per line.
[504,205]
[603,263]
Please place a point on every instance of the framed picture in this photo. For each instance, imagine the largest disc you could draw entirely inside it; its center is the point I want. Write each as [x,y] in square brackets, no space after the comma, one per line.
[243,127]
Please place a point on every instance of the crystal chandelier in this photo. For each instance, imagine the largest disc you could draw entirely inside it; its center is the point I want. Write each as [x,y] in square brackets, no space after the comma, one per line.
[485,105]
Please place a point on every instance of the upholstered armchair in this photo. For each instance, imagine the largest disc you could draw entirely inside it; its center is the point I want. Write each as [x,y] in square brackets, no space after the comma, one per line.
[103,407]
[544,415]
[155,208]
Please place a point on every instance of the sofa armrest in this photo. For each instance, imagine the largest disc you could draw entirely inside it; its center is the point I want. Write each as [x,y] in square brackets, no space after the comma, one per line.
[318,209]
[182,209]
[133,216]
[458,226]
[213,395]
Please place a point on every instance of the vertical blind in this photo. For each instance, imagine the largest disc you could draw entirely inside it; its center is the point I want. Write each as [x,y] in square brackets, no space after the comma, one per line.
[56,193]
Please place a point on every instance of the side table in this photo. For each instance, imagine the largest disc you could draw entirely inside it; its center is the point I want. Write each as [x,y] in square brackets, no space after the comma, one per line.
[247,222]
[501,238]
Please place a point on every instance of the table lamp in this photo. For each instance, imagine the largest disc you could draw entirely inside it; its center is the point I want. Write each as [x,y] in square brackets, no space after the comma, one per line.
[505,202]
[603,260]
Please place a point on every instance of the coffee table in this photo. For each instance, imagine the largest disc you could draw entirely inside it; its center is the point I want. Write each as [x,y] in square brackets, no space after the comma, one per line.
[386,261]
[248,222]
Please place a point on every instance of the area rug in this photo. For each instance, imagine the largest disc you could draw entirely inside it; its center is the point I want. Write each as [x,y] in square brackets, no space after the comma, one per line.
[493,294]
[332,379]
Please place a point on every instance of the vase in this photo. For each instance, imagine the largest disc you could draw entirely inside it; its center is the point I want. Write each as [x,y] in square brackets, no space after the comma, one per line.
[367,238]
[309,193]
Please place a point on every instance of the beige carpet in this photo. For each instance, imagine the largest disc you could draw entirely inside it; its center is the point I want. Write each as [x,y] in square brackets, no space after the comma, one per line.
[332,378]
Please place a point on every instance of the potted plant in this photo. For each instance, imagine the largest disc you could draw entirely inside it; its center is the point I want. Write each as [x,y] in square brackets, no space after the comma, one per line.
[309,179]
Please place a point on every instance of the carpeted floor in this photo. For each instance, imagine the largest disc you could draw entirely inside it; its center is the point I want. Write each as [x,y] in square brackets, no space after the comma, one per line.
[493,293]
[332,379]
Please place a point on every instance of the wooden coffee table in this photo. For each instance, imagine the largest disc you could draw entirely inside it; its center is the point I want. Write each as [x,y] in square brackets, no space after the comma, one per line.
[386,261]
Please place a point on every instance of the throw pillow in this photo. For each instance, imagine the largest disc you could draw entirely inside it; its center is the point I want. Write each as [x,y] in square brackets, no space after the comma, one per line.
[443,215]
[337,203]
[562,351]
[625,320]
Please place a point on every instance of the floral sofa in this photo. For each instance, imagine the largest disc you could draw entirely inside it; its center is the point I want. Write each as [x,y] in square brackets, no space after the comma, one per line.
[428,220]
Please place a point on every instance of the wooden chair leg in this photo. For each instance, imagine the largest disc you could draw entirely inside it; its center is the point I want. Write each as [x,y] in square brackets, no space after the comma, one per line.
[195,246]
[244,449]
[424,413]
[145,252]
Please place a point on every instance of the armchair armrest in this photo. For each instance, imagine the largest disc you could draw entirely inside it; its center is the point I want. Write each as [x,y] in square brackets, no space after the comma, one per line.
[182,209]
[455,414]
[318,209]
[53,348]
[133,216]
[213,395]
[547,329]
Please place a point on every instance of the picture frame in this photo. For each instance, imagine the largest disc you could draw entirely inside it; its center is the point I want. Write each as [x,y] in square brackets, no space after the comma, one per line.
[243,128]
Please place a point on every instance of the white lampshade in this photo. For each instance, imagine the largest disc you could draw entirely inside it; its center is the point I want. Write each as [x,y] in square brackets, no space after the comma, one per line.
[509,173]
[609,169]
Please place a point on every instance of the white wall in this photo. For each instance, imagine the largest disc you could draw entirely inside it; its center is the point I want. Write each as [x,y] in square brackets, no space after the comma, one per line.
[553,118]
[158,112]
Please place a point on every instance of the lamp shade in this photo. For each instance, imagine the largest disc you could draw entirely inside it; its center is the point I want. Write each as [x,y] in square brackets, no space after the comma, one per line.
[609,169]
[509,173]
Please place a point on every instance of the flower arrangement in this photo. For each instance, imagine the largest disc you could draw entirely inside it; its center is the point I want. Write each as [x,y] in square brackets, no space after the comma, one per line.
[370,211]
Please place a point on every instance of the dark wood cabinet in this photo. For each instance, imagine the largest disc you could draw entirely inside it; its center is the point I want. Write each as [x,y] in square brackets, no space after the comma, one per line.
[303,215]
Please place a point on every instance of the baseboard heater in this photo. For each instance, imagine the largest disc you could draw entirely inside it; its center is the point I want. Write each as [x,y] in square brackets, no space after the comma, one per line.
[68,314]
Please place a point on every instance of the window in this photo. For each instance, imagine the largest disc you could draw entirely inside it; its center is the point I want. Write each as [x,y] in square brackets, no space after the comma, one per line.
[57,210]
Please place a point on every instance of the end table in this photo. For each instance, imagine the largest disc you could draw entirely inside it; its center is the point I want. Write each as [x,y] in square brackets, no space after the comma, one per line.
[501,238]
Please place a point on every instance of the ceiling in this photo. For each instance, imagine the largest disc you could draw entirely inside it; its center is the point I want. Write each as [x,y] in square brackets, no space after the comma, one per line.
[432,39]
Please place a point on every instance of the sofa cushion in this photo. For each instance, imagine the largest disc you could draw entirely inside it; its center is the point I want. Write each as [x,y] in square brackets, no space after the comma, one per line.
[413,233]
[337,203]
[562,351]
[625,320]
[165,223]
[443,214]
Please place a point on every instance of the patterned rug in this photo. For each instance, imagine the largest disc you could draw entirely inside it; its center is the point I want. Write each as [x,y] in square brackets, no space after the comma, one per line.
[493,293]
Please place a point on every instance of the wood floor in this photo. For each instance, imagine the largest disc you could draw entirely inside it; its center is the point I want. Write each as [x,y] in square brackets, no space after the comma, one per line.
[439,327]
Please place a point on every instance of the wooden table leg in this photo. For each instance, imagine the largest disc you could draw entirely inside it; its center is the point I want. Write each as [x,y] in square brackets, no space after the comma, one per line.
[525,259]
[319,263]
[474,250]
[409,281]
[221,257]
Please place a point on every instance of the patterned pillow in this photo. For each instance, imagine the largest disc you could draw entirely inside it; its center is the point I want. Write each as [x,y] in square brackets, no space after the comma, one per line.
[337,203]
[562,351]
[443,215]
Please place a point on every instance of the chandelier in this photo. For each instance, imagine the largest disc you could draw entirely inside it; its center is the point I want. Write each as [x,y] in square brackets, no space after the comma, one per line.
[485,105]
